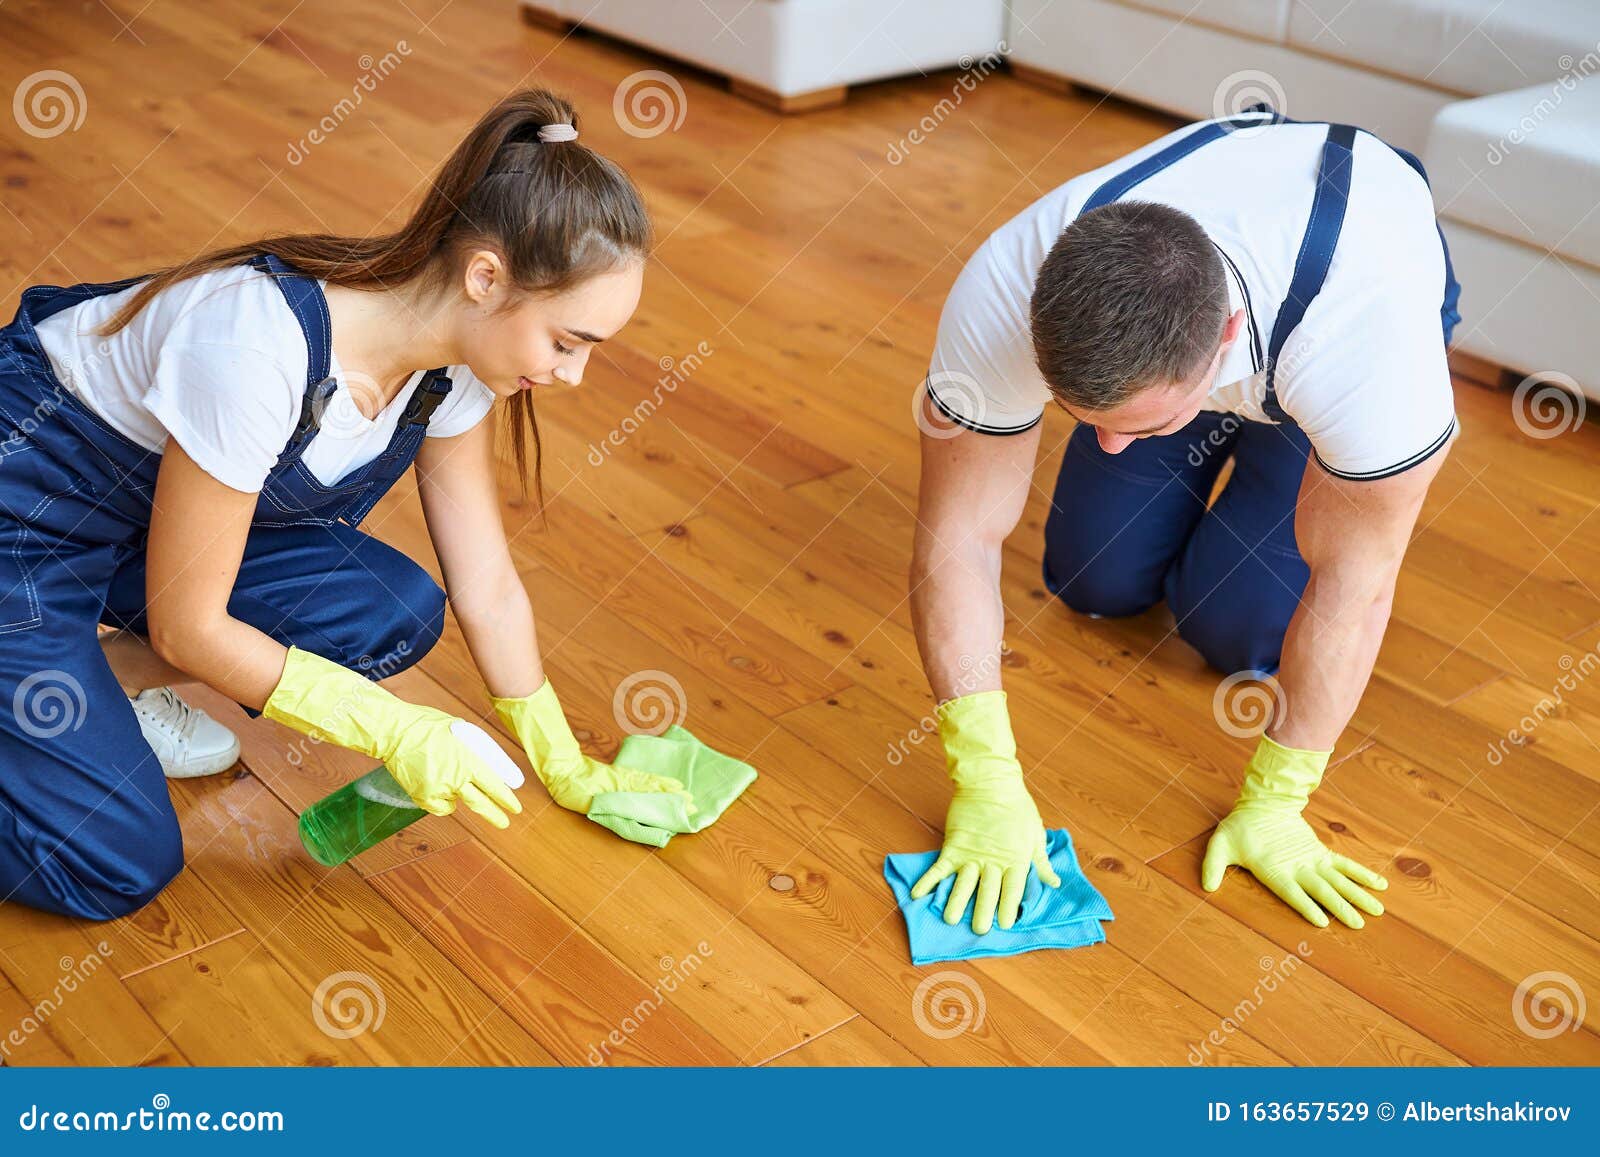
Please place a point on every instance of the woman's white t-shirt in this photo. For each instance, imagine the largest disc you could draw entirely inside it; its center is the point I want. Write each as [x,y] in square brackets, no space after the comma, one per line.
[1364,373]
[219,362]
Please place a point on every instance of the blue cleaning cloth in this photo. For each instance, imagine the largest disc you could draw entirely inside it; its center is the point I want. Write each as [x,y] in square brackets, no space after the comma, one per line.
[1064,917]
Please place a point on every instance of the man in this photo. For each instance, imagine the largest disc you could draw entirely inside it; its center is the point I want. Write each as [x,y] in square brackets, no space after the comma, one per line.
[1252,288]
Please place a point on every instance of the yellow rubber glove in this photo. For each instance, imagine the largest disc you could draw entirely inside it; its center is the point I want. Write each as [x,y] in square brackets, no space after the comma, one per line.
[1266,834]
[437,770]
[992,832]
[572,778]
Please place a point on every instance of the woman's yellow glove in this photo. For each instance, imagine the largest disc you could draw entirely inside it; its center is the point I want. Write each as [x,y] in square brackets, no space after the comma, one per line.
[572,778]
[422,747]
[992,832]
[1266,834]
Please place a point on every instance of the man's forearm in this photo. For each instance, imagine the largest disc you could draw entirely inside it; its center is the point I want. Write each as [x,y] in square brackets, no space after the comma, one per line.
[1328,655]
[958,617]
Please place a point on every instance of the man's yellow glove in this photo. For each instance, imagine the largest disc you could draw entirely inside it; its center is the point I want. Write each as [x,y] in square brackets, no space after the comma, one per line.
[416,744]
[1266,834]
[992,832]
[572,778]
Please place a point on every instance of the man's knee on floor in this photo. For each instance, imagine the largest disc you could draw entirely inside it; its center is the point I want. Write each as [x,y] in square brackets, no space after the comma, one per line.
[1232,636]
[1096,590]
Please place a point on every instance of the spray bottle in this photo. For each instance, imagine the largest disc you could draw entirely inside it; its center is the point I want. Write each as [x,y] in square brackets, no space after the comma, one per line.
[369,810]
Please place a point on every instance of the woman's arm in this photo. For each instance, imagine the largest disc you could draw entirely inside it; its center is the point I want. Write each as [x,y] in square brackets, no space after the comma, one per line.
[198,529]
[456,481]
[197,539]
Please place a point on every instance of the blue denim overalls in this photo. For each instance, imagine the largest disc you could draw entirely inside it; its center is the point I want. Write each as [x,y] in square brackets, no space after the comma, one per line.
[1126,531]
[86,825]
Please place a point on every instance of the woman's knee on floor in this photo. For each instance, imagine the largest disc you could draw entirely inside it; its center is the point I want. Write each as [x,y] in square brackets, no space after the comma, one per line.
[139,880]
[104,871]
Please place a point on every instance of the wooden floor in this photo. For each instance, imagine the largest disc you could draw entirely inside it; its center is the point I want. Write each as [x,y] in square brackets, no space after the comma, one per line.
[750,541]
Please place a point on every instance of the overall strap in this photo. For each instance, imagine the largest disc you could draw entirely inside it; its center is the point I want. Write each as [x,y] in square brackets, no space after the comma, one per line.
[44,301]
[384,471]
[310,308]
[1118,186]
[1449,310]
[1316,251]
[433,389]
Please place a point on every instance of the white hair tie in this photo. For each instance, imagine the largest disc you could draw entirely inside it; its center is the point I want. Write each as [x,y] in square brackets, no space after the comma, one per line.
[557,133]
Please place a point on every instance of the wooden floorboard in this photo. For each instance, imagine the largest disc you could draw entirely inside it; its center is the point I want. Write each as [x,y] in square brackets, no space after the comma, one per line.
[731,507]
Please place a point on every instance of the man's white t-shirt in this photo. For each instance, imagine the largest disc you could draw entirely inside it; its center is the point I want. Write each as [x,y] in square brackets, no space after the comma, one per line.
[219,362]
[1364,373]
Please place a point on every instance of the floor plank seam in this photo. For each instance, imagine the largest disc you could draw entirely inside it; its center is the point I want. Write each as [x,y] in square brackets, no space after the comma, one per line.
[823,477]
[808,1041]
[189,952]
[783,716]
[1497,677]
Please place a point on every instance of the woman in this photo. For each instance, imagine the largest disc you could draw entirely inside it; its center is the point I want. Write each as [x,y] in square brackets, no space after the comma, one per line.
[187,456]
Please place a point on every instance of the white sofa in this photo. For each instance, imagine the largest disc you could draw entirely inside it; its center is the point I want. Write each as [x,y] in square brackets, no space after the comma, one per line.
[1387,65]
[1517,180]
[797,53]
[1500,97]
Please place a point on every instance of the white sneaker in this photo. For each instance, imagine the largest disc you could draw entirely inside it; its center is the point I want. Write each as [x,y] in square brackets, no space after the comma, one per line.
[186,740]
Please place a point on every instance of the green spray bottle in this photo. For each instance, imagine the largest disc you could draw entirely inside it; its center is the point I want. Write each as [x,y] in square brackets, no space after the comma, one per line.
[369,810]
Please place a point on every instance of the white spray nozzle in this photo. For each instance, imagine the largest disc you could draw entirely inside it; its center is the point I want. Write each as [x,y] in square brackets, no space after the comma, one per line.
[478,741]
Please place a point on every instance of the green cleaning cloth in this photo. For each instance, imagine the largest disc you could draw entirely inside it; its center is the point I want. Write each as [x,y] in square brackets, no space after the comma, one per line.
[713,779]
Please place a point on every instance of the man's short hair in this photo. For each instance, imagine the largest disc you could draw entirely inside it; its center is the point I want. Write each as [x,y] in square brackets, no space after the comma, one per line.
[1132,295]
